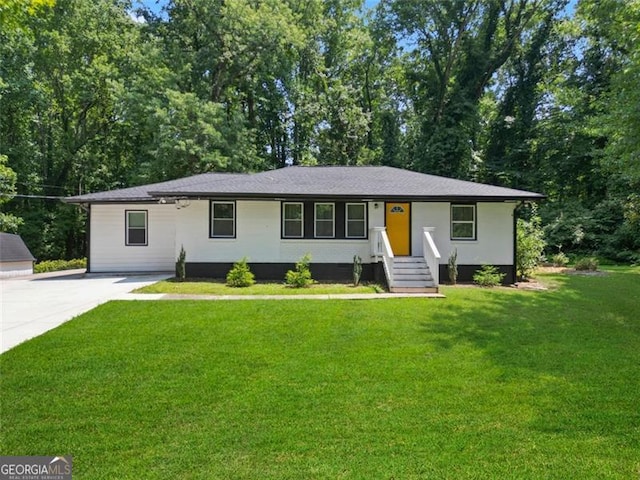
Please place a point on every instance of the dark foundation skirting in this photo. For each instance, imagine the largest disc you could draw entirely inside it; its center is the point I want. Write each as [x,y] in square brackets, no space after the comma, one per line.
[342,272]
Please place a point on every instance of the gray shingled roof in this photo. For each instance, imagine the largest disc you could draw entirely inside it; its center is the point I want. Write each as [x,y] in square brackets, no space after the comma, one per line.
[141,192]
[13,249]
[318,182]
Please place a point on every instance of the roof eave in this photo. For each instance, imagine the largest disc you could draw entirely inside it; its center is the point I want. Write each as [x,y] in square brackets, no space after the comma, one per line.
[79,201]
[359,196]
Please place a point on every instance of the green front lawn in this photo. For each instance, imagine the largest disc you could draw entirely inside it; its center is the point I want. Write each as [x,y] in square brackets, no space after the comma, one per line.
[484,384]
[213,287]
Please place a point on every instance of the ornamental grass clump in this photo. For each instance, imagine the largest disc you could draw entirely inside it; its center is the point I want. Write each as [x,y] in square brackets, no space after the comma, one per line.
[240,275]
[587,264]
[559,259]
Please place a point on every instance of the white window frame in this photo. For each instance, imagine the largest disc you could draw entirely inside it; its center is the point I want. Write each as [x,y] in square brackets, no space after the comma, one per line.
[212,219]
[145,228]
[472,222]
[285,220]
[316,220]
[347,220]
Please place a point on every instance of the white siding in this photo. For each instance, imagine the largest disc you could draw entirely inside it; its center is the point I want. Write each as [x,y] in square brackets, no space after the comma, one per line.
[494,233]
[16,269]
[326,251]
[108,250]
[257,233]
[258,237]
[376,214]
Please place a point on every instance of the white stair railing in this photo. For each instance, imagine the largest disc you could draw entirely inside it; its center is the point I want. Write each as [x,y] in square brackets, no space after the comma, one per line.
[431,254]
[381,247]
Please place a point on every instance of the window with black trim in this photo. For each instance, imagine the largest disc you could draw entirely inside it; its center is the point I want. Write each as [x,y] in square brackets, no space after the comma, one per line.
[463,222]
[356,220]
[324,220]
[136,227]
[223,219]
[292,220]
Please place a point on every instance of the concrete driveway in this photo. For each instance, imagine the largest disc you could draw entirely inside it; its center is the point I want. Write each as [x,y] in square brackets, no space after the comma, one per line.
[35,304]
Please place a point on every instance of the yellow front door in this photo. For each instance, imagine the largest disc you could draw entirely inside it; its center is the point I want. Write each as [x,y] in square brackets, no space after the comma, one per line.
[398,220]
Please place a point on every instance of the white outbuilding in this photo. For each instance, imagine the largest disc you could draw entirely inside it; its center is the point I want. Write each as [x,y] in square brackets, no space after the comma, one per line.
[15,258]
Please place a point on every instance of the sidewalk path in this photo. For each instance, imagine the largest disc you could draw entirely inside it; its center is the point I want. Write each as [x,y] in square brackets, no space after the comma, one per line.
[335,296]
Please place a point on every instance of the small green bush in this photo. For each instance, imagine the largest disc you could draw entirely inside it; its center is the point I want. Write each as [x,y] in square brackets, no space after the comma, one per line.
[488,276]
[587,264]
[301,276]
[55,265]
[560,259]
[240,275]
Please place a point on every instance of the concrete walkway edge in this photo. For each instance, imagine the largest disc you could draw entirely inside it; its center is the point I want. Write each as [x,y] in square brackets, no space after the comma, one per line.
[336,296]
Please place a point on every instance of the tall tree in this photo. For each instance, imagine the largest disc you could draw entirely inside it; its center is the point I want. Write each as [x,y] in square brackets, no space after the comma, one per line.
[521,87]
[59,114]
[8,221]
[456,48]
[235,57]
[592,206]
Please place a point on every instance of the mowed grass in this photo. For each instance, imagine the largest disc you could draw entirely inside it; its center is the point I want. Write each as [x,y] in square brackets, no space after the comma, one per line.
[483,384]
[213,287]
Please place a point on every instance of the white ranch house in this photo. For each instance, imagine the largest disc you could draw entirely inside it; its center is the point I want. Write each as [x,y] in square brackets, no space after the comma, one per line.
[402,224]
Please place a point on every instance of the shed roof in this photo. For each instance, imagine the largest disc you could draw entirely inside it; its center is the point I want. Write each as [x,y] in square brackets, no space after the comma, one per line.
[13,249]
[318,182]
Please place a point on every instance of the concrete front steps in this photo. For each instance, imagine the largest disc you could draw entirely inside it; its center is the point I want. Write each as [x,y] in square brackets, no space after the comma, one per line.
[412,275]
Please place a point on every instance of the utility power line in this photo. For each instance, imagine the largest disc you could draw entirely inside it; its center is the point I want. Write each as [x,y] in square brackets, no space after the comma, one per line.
[45,197]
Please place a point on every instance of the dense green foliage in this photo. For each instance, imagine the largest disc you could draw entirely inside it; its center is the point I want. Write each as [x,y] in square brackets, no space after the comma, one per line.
[8,222]
[56,265]
[240,275]
[535,95]
[485,384]
[531,243]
